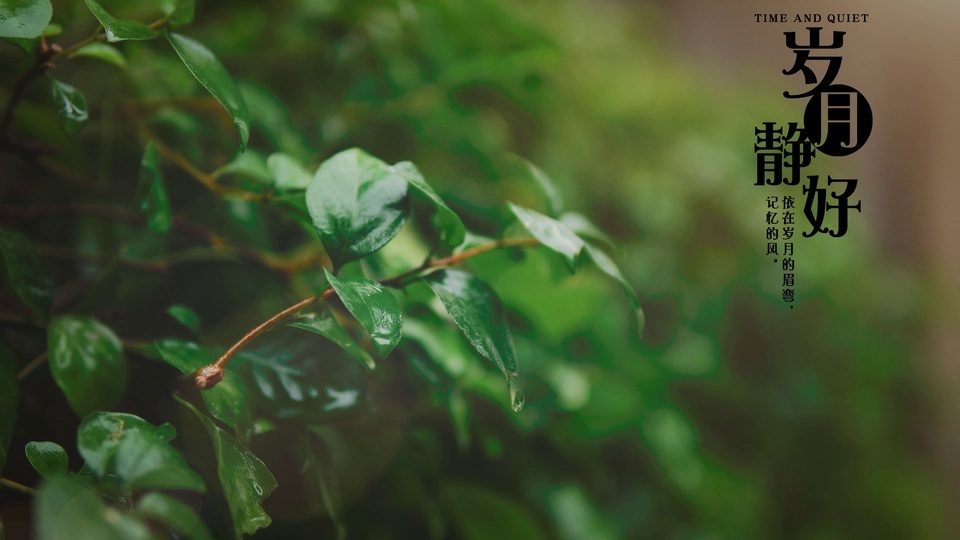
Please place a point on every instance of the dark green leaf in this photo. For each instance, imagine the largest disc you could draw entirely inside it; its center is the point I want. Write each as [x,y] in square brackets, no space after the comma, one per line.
[227,401]
[178,12]
[27,45]
[327,326]
[49,459]
[245,479]
[174,514]
[24,272]
[65,509]
[24,19]
[135,450]
[9,395]
[447,222]
[119,29]
[358,204]
[552,234]
[71,107]
[214,77]
[375,307]
[87,362]
[481,514]
[151,195]
[287,172]
[607,266]
[302,376]
[185,316]
[480,315]
[101,51]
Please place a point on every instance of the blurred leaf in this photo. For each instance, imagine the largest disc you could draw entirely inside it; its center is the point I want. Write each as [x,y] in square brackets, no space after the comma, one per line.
[575,515]
[151,196]
[481,514]
[47,458]
[52,30]
[608,267]
[9,397]
[245,479]
[287,173]
[27,45]
[101,51]
[119,29]
[214,77]
[375,307]
[135,450]
[250,164]
[228,401]
[24,19]
[300,375]
[584,228]
[551,233]
[477,310]
[87,363]
[552,200]
[71,107]
[358,204]
[447,222]
[65,509]
[24,272]
[327,326]
[178,12]
[174,514]
[185,316]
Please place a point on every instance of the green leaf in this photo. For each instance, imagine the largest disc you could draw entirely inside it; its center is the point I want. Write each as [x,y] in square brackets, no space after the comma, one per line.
[87,363]
[185,316]
[479,314]
[9,396]
[552,234]
[327,326]
[249,164]
[65,509]
[214,77]
[24,19]
[172,513]
[375,307]
[358,204]
[21,268]
[49,459]
[101,51]
[151,196]
[27,45]
[178,12]
[301,376]
[71,107]
[119,29]
[52,30]
[447,222]
[227,401]
[607,266]
[287,172]
[245,479]
[135,450]
[586,230]
[553,201]
[481,514]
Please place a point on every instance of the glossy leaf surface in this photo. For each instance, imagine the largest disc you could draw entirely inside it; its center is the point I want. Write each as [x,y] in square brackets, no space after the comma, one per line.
[47,458]
[87,363]
[375,307]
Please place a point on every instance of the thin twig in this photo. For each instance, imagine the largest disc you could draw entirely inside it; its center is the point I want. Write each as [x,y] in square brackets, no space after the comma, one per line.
[34,364]
[10,484]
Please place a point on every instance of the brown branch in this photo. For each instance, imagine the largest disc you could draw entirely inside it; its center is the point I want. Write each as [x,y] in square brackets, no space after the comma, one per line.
[208,376]
[34,364]
[10,484]
[40,65]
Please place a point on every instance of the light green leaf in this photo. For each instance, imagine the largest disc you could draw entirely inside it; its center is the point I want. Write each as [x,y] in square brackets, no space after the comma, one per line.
[172,513]
[136,451]
[119,29]
[246,481]
[65,509]
[287,172]
[151,196]
[48,458]
[479,314]
[101,51]
[607,266]
[447,222]
[250,164]
[185,316]
[327,326]
[358,204]
[585,229]
[214,77]
[71,107]
[9,396]
[553,201]
[24,19]
[375,307]
[227,401]
[21,268]
[87,363]
[552,234]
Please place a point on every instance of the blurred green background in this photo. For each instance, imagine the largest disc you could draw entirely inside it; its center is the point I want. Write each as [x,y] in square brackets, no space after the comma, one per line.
[733,417]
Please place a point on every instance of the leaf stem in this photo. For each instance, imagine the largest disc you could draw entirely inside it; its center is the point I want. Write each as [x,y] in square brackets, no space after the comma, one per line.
[10,484]
[208,376]
[34,364]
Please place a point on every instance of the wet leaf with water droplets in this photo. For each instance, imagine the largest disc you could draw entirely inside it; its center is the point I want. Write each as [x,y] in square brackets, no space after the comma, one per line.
[376,309]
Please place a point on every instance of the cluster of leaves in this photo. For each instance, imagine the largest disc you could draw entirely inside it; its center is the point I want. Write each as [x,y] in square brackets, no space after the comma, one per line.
[300,380]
